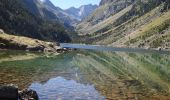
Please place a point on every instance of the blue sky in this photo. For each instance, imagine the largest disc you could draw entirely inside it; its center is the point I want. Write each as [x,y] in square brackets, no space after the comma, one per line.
[64,4]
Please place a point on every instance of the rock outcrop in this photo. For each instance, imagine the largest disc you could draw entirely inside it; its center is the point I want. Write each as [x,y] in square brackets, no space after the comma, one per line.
[8,93]
[106,9]
[1,31]
[11,92]
[28,95]
[25,43]
[107,1]
[81,12]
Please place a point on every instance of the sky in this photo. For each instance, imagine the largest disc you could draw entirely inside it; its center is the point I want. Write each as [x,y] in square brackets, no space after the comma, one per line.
[65,4]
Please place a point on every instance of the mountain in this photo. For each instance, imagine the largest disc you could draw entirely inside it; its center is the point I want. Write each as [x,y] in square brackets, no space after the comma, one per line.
[103,2]
[81,12]
[104,11]
[128,23]
[17,20]
[121,23]
[60,13]
[46,10]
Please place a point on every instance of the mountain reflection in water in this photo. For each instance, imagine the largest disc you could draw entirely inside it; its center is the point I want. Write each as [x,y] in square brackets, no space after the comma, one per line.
[89,75]
[63,89]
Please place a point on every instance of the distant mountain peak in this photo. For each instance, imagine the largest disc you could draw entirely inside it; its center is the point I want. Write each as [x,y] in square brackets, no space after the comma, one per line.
[47,2]
[81,12]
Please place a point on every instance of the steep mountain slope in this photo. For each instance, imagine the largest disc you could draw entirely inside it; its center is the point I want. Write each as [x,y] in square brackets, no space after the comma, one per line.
[46,10]
[103,12]
[143,23]
[81,12]
[15,19]
[107,1]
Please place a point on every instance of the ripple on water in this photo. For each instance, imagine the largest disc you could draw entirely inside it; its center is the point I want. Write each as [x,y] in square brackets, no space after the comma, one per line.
[62,89]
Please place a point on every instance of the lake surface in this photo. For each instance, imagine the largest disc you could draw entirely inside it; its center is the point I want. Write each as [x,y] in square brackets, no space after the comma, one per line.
[89,74]
[113,49]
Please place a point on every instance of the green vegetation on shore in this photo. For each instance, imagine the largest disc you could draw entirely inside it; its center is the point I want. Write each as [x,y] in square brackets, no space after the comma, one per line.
[24,43]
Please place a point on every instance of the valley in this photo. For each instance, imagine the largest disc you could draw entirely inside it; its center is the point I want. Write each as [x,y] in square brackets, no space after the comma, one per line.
[110,50]
[123,23]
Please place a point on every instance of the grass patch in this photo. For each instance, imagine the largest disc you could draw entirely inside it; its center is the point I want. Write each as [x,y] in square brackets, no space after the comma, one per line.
[157,26]
[158,42]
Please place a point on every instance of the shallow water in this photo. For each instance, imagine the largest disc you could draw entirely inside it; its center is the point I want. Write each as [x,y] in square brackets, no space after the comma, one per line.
[89,75]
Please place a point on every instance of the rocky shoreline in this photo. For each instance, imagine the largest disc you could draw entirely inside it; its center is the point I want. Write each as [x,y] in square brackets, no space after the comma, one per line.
[11,92]
[12,42]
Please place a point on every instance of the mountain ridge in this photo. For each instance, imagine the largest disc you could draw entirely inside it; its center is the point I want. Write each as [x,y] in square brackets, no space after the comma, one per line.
[17,20]
[82,12]
[103,12]
[139,23]
[47,10]
[121,23]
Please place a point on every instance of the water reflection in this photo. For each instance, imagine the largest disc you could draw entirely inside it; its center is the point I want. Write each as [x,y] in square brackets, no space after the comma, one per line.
[89,74]
[63,89]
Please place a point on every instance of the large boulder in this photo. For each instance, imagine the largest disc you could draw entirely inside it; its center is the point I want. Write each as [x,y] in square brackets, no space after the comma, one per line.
[8,93]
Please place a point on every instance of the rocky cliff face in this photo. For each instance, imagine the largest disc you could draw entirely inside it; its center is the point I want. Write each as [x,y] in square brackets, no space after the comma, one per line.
[86,10]
[107,1]
[103,2]
[106,9]
[81,12]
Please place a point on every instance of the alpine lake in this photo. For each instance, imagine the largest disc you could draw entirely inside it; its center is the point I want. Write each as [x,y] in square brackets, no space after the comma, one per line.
[89,74]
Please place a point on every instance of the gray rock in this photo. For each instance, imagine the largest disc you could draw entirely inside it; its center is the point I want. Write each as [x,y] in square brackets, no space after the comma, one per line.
[159,48]
[8,93]
[35,48]
[48,50]
[28,95]
[1,31]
